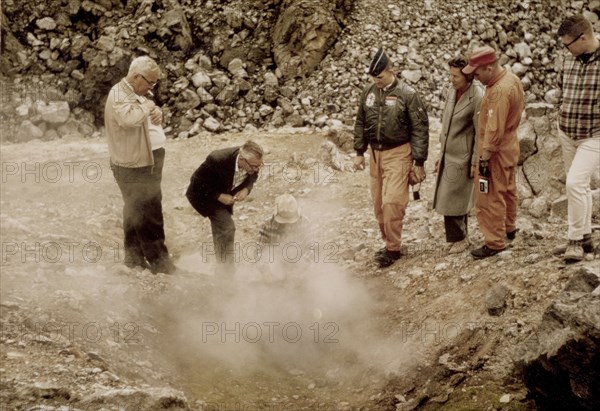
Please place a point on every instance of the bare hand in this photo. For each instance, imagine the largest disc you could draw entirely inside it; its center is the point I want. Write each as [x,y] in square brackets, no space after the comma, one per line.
[226,199]
[359,163]
[241,195]
[472,171]
[156,116]
[419,173]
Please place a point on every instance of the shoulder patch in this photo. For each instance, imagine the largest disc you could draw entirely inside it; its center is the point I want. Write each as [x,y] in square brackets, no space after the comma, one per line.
[370,100]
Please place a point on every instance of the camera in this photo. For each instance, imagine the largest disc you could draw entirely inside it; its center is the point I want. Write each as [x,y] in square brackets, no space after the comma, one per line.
[484,185]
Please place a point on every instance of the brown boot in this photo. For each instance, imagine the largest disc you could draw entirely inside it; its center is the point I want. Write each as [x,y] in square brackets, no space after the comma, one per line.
[574,251]
[586,243]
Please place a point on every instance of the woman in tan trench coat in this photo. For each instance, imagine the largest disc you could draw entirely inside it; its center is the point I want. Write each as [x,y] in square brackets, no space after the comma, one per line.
[453,196]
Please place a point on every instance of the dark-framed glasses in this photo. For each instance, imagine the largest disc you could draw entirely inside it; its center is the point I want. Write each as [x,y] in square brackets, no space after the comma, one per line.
[150,83]
[574,40]
[253,166]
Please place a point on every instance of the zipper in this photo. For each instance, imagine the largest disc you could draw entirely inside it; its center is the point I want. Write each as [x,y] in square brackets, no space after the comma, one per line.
[379,116]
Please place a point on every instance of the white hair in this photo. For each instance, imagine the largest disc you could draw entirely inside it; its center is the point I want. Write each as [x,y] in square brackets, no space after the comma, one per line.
[143,64]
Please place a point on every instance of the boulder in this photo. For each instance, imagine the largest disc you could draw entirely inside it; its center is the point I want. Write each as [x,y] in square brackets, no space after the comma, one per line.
[27,131]
[302,35]
[560,363]
[55,112]
[527,141]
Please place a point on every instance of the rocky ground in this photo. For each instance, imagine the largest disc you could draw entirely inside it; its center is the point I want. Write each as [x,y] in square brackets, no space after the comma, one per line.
[323,329]
[81,330]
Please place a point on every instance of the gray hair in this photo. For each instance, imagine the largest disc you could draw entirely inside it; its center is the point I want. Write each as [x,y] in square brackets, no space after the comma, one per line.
[251,150]
[143,64]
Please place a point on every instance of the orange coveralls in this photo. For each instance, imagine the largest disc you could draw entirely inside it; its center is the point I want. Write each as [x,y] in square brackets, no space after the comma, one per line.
[499,118]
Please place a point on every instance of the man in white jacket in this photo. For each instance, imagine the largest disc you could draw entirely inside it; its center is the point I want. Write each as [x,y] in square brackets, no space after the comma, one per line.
[136,145]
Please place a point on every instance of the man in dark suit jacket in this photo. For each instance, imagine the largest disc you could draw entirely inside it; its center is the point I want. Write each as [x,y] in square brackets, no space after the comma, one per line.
[223,179]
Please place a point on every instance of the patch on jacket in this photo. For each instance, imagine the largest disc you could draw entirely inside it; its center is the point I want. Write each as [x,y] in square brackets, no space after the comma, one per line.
[390,101]
[370,100]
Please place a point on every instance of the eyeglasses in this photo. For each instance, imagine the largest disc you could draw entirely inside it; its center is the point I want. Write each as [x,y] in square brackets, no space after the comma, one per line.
[253,166]
[574,40]
[150,83]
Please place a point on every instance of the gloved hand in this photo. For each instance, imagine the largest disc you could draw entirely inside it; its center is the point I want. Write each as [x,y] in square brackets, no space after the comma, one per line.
[484,168]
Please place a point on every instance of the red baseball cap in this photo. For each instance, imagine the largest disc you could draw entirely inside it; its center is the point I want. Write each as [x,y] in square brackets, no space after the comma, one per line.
[481,57]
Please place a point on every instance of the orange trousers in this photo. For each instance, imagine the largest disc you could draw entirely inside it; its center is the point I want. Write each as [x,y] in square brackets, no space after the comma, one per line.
[389,189]
[497,210]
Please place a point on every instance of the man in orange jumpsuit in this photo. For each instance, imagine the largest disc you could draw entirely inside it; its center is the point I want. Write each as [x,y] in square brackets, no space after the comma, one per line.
[497,149]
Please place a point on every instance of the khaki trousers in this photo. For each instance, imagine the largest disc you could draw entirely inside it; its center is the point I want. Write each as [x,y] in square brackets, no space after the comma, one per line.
[497,210]
[389,189]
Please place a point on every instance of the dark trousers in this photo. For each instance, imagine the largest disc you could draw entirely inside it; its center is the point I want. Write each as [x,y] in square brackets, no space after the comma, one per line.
[223,232]
[142,210]
[456,228]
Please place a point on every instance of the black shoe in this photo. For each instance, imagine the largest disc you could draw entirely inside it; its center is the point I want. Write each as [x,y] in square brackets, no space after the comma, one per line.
[512,234]
[380,252]
[484,252]
[135,261]
[164,266]
[387,258]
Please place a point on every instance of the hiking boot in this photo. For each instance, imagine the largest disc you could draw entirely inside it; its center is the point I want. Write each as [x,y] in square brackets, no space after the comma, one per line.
[459,246]
[587,244]
[574,251]
[484,252]
[512,234]
[387,258]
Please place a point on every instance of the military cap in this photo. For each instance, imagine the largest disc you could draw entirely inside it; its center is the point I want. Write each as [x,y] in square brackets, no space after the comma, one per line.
[379,63]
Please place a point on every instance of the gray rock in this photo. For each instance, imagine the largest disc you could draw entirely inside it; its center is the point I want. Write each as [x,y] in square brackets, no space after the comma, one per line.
[412,75]
[46,23]
[330,156]
[527,141]
[271,80]
[553,96]
[495,300]
[46,390]
[537,172]
[228,95]
[201,79]
[55,112]
[523,50]
[295,120]
[265,110]
[519,69]
[539,207]
[106,43]
[538,110]
[187,100]
[236,68]
[211,124]
[28,131]
[180,34]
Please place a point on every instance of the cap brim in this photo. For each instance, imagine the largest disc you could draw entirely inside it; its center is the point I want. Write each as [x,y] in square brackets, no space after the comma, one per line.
[469,69]
[289,220]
